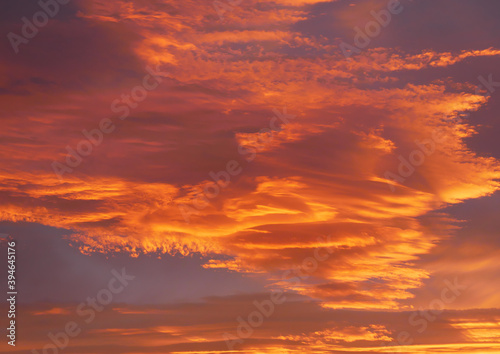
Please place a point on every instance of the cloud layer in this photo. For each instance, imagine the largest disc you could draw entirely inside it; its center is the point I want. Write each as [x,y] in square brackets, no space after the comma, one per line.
[260,145]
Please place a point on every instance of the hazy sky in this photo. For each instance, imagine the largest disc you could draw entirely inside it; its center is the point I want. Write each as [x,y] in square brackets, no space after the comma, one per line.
[225,151]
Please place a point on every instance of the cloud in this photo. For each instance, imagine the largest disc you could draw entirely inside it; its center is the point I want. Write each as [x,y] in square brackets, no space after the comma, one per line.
[323,174]
[191,327]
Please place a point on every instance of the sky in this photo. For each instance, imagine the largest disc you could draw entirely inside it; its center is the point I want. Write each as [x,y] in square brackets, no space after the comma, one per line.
[251,176]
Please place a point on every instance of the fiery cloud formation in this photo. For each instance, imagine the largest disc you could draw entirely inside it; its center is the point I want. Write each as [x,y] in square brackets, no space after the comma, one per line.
[262,145]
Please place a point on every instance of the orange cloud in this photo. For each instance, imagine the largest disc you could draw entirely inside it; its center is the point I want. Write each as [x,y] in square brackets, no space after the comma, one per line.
[322,175]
